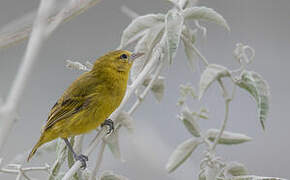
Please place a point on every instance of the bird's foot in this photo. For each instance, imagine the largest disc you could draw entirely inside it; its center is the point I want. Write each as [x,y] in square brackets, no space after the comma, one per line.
[83,159]
[110,123]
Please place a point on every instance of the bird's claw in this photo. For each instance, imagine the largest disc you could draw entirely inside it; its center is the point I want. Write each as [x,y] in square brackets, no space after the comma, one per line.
[83,159]
[110,123]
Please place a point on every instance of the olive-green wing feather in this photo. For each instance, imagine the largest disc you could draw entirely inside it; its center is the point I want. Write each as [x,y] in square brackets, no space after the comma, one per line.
[72,106]
[74,99]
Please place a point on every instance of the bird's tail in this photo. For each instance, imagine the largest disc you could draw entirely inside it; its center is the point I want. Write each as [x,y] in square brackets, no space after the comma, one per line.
[38,144]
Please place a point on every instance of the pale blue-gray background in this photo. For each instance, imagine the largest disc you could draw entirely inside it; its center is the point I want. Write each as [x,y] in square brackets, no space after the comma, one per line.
[263,24]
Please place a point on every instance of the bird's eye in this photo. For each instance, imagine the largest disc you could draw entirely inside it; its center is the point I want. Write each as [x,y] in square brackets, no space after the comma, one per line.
[123,56]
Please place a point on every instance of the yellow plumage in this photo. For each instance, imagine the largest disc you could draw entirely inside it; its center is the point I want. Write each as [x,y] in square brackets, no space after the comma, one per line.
[90,99]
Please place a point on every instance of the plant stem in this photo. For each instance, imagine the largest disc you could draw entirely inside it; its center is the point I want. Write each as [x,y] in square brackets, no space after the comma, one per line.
[22,171]
[23,31]
[224,123]
[78,144]
[200,55]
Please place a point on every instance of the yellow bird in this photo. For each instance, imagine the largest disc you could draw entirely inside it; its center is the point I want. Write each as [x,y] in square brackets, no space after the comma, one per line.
[89,100]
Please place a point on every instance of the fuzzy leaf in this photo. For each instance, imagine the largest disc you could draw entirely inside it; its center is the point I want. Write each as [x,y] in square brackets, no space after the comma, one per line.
[157,88]
[211,172]
[146,45]
[202,176]
[189,122]
[227,137]
[206,14]
[49,147]
[61,155]
[70,158]
[181,153]
[259,89]
[76,66]
[236,169]
[108,175]
[175,3]
[139,25]
[86,174]
[188,38]
[173,28]
[126,120]
[113,143]
[209,75]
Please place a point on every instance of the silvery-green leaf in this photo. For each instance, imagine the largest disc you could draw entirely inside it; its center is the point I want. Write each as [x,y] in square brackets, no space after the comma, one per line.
[76,65]
[61,155]
[157,88]
[70,158]
[146,45]
[204,13]
[86,174]
[189,122]
[227,137]
[126,120]
[201,176]
[113,143]
[253,177]
[211,172]
[202,115]
[189,33]
[181,153]
[60,147]
[236,169]
[183,3]
[175,3]
[186,90]
[259,89]
[188,38]
[209,75]
[173,28]
[59,176]
[187,3]
[48,147]
[108,175]
[139,25]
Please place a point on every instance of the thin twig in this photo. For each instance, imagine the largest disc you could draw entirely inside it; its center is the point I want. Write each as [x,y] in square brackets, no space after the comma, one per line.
[23,31]
[200,55]
[224,123]
[20,171]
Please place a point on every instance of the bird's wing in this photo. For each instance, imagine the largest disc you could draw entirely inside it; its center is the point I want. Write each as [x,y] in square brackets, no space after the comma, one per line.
[74,99]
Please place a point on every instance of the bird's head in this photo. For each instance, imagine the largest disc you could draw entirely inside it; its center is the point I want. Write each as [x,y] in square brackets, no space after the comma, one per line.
[119,60]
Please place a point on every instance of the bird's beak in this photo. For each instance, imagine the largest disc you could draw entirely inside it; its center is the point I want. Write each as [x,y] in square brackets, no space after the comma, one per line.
[135,56]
